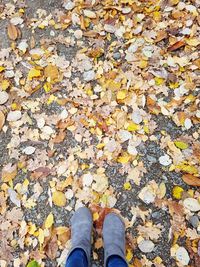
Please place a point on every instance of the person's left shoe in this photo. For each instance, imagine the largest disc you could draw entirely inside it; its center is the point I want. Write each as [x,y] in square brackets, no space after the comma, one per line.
[81,231]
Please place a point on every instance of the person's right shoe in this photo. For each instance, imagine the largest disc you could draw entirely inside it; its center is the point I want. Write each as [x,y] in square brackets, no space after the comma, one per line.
[114,237]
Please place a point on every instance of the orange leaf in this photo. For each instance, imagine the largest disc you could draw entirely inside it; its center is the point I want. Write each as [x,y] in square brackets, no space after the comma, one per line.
[176,46]
[12,32]
[102,213]
[191,180]
[2,120]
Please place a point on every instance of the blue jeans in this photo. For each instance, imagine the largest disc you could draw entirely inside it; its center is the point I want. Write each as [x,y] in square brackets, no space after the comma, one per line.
[78,259]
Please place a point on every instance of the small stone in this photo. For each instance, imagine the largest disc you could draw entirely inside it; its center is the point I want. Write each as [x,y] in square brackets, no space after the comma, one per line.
[146,246]
[116,55]
[89,75]
[29,150]
[156,215]
[3,97]
[191,204]
[165,160]
[182,256]
[78,34]
[69,5]
[14,115]
[194,220]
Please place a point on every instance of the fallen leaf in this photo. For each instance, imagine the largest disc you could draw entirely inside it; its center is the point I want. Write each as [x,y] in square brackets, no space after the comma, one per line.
[12,32]
[51,72]
[51,247]
[181,145]
[9,172]
[59,198]
[33,263]
[177,192]
[191,179]
[49,221]
[2,120]
[33,73]
[176,46]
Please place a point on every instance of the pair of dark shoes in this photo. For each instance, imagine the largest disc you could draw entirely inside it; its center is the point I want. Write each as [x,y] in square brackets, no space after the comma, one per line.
[113,234]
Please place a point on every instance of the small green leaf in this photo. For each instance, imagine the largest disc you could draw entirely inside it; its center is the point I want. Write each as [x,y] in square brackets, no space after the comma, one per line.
[181,145]
[33,263]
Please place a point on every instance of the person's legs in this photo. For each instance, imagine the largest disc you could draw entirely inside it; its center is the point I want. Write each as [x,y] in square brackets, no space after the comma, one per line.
[77,258]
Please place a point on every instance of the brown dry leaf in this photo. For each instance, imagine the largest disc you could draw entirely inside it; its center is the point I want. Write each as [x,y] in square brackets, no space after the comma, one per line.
[2,120]
[137,263]
[51,72]
[40,172]
[102,212]
[160,36]
[191,180]
[59,137]
[51,247]
[63,234]
[9,172]
[12,32]
[176,46]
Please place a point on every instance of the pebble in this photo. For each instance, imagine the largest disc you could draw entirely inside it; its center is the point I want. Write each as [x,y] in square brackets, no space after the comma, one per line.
[156,215]
[116,55]
[182,256]
[194,220]
[14,115]
[78,34]
[89,75]
[165,160]
[146,246]
[3,97]
[191,204]
[29,150]
[69,5]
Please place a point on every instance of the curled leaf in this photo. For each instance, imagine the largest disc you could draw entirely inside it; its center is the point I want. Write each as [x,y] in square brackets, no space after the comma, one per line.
[176,46]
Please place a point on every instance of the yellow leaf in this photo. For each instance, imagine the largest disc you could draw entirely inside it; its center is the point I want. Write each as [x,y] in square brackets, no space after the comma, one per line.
[32,228]
[127,186]
[9,172]
[124,159]
[47,87]
[95,216]
[185,167]
[51,73]
[33,73]
[177,192]
[5,84]
[143,64]
[133,127]
[41,236]
[159,80]
[121,94]
[1,68]
[51,99]
[193,41]
[49,221]
[181,145]
[59,198]
[129,255]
